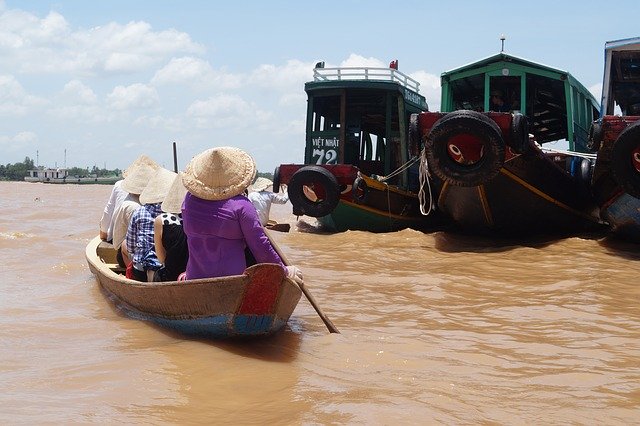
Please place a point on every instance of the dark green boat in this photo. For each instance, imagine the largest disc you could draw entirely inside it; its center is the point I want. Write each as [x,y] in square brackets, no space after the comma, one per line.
[493,177]
[359,171]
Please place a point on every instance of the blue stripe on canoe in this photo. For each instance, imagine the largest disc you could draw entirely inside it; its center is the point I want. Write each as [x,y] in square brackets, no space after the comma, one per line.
[224,325]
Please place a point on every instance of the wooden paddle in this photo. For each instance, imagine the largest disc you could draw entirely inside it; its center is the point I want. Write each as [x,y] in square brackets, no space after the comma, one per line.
[332,328]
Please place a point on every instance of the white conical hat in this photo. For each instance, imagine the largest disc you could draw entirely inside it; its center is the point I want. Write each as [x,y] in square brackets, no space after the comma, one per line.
[158,187]
[173,201]
[138,174]
[260,184]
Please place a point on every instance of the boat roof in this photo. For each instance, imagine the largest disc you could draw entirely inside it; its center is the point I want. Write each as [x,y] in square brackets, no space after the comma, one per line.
[506,58]
[532,65]
[367,78]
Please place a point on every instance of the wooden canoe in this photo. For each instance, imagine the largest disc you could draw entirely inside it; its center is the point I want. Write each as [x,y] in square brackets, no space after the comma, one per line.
[256,303]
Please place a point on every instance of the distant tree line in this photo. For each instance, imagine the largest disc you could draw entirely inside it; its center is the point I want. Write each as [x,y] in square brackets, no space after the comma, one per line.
[18,171]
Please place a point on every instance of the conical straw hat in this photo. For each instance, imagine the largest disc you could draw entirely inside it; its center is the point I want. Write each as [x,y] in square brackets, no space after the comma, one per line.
[260,184]
[158,187]
[173,201]
[138,174]
[219,173]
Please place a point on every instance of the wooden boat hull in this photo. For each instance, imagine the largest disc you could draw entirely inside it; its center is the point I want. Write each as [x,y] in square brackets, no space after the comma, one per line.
[530,194]
[257,303]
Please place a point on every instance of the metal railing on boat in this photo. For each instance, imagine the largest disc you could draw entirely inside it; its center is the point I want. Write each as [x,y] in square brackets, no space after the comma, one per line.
[362,73]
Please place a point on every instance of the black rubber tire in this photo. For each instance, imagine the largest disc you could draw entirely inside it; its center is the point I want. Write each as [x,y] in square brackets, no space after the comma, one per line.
[622,166]
[316,175]
[276,180]
[595,136]
[465,122]
[519,133]
[359,190]
[415,142]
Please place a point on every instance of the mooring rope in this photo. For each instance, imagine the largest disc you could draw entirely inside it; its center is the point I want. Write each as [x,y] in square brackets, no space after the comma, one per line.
[424,177]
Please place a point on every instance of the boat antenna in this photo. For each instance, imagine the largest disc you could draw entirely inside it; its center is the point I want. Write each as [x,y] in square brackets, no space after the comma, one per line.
[502,39]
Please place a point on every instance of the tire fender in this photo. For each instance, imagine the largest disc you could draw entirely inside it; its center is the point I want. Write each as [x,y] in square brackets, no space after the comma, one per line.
[465,124]
[360,190]
[326,186]
[519,134]
[625,160]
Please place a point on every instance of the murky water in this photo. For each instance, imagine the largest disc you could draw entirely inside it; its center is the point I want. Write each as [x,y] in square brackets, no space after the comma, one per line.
[436,328]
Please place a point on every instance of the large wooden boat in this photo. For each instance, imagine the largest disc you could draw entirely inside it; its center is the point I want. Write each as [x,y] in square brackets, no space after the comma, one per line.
[359,172]
[615,136]
[493,177]
[257,303]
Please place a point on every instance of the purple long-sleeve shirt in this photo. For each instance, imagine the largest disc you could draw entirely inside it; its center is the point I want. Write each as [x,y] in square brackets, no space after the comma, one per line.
[217,234]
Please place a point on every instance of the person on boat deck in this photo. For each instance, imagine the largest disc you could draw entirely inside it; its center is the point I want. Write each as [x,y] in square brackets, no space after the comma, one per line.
[497,102]
[262,199]
[106,220]
[140,234]
[136,178]
[169,237]
[115,200]
[219,221]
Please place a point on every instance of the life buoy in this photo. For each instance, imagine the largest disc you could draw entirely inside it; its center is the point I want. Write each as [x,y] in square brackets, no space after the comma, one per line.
[414,136]
[360,190]
[625,160]
[465,148]
[519,133]
[595,136]
[320,182]
[276,180]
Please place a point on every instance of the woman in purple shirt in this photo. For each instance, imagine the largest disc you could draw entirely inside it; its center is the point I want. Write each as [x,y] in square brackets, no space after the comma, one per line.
[219,221]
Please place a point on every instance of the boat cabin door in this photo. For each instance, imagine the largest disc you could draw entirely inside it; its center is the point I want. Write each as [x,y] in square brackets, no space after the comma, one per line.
[504,91]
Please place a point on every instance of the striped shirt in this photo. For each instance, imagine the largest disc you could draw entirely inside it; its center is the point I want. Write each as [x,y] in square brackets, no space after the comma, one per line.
[140,238]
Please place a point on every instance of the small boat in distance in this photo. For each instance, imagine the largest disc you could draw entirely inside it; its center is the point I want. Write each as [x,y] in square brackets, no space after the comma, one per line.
[61,175]
[257,303]
[615,136]
[493,177]
[359,171]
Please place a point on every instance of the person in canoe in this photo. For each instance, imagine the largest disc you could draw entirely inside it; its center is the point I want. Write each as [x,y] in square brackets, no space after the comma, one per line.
[219,220]
[262,199]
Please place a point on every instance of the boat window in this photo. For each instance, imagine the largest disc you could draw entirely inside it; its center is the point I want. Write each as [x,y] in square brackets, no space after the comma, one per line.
[326,113]
[504,94]
[546,109]
[468,93]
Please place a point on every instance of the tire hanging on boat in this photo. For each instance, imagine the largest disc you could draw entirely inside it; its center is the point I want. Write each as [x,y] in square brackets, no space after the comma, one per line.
[360,190]
[595,136]
[276,180]
[414,136]
[625,159]
[519,133]
[470,126]
[324,183]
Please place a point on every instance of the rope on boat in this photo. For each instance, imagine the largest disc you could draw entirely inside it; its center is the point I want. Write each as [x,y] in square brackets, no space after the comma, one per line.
[399,170]
[424,177]
[574,153]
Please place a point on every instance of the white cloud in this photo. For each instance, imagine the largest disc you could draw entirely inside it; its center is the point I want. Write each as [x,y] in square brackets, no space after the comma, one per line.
[596,90]
[355,60]
[19,142]
[133,97]
[34,45]
[14,100]
[76,91]
[195,72]
[429,88]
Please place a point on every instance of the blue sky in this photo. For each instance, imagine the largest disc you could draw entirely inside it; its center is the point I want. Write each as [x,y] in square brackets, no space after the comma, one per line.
[110,80]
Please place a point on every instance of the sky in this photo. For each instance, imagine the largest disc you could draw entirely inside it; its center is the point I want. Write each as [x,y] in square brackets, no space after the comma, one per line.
[99,83]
